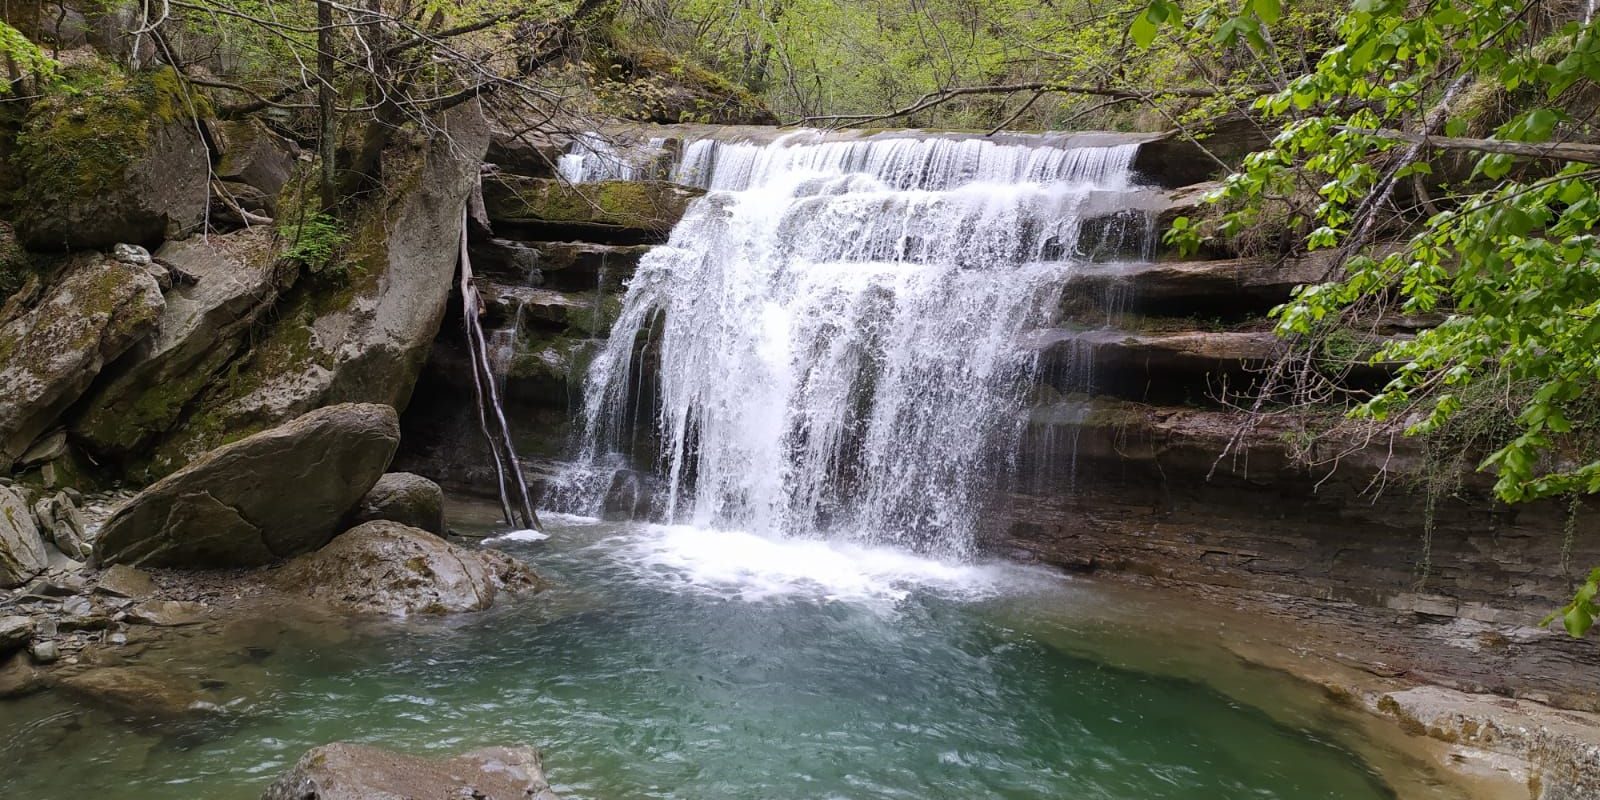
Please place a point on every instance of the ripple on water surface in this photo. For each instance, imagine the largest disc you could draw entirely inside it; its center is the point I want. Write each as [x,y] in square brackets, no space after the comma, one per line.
[684,663]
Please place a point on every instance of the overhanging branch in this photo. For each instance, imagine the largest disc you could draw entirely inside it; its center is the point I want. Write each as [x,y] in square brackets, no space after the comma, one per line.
[1557,151]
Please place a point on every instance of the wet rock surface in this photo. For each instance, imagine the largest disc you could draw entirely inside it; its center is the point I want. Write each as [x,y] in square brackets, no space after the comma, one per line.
[388,568]
[344,771]
[231,507]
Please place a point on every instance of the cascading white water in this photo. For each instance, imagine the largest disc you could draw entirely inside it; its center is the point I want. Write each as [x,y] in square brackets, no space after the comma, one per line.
[836,329]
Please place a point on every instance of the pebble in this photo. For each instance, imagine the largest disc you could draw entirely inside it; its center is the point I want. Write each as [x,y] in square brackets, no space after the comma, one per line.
[44,651]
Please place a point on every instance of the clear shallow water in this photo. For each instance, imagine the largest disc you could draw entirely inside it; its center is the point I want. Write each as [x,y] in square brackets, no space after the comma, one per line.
[672,662]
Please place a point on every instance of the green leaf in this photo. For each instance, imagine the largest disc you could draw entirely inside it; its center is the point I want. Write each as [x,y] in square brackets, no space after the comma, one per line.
[1268,10]
[1576,621]
[1143,30]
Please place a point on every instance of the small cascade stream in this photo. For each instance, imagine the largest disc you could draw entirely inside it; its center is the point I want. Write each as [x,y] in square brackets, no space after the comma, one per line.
[836,329]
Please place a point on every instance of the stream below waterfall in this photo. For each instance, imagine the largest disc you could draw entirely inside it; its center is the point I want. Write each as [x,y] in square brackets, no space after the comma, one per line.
[677,662]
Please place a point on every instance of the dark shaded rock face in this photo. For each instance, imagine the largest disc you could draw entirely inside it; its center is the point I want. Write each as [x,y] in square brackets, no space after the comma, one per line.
[343,771]
[276,494]
[387,568]
[404,498]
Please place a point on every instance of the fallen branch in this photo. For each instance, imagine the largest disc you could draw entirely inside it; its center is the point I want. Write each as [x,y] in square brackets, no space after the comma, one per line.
[1558,151]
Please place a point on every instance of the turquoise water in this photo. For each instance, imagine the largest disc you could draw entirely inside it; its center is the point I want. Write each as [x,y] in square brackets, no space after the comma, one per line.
[677,663]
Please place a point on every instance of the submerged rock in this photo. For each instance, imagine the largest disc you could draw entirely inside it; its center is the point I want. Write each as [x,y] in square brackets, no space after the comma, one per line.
[389,568]
[94,311]
[344,771]
[404,498]
[167,613]
[141,692]
[276,494]
[22,552]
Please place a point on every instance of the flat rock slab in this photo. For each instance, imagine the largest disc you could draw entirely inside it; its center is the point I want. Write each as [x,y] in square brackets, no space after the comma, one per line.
[122,580]
[15,633]
[167,613]
[343,771]
[273,495]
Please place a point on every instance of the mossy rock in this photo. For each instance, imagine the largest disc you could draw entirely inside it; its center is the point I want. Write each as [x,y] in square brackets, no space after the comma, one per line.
[108,157]
[609,209]
[15,264]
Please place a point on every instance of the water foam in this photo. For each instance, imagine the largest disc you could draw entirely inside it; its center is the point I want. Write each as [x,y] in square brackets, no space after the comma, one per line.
[738,565]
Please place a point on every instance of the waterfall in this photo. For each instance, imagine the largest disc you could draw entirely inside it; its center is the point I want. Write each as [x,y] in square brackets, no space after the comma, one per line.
[835,329]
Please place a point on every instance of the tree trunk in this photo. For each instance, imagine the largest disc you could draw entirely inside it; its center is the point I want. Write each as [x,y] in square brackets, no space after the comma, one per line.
[327,144]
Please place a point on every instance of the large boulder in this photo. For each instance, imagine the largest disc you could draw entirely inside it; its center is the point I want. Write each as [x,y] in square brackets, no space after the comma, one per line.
[92,313]
[276,494]
[237,279]
[389,568]
[344,771]
[404,498]
[256,157]
[124,163]
[22,553]
[362,336]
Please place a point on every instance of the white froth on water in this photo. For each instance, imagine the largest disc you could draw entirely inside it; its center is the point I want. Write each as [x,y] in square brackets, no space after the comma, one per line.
[522,535]
[739,565]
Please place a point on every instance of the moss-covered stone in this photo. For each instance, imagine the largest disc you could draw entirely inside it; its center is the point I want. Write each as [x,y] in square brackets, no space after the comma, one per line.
[609,209]
[110,157]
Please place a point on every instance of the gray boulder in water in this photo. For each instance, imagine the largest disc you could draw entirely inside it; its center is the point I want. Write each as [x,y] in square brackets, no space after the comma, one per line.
[404,498]
[344,771]
[279,493]
[22,553]
[388,568]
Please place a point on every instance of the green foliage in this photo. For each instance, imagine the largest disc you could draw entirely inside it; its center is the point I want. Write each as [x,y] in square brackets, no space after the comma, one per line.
[819,57]
[1577,617]
[1509,256]
[25,57]
[316,243]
